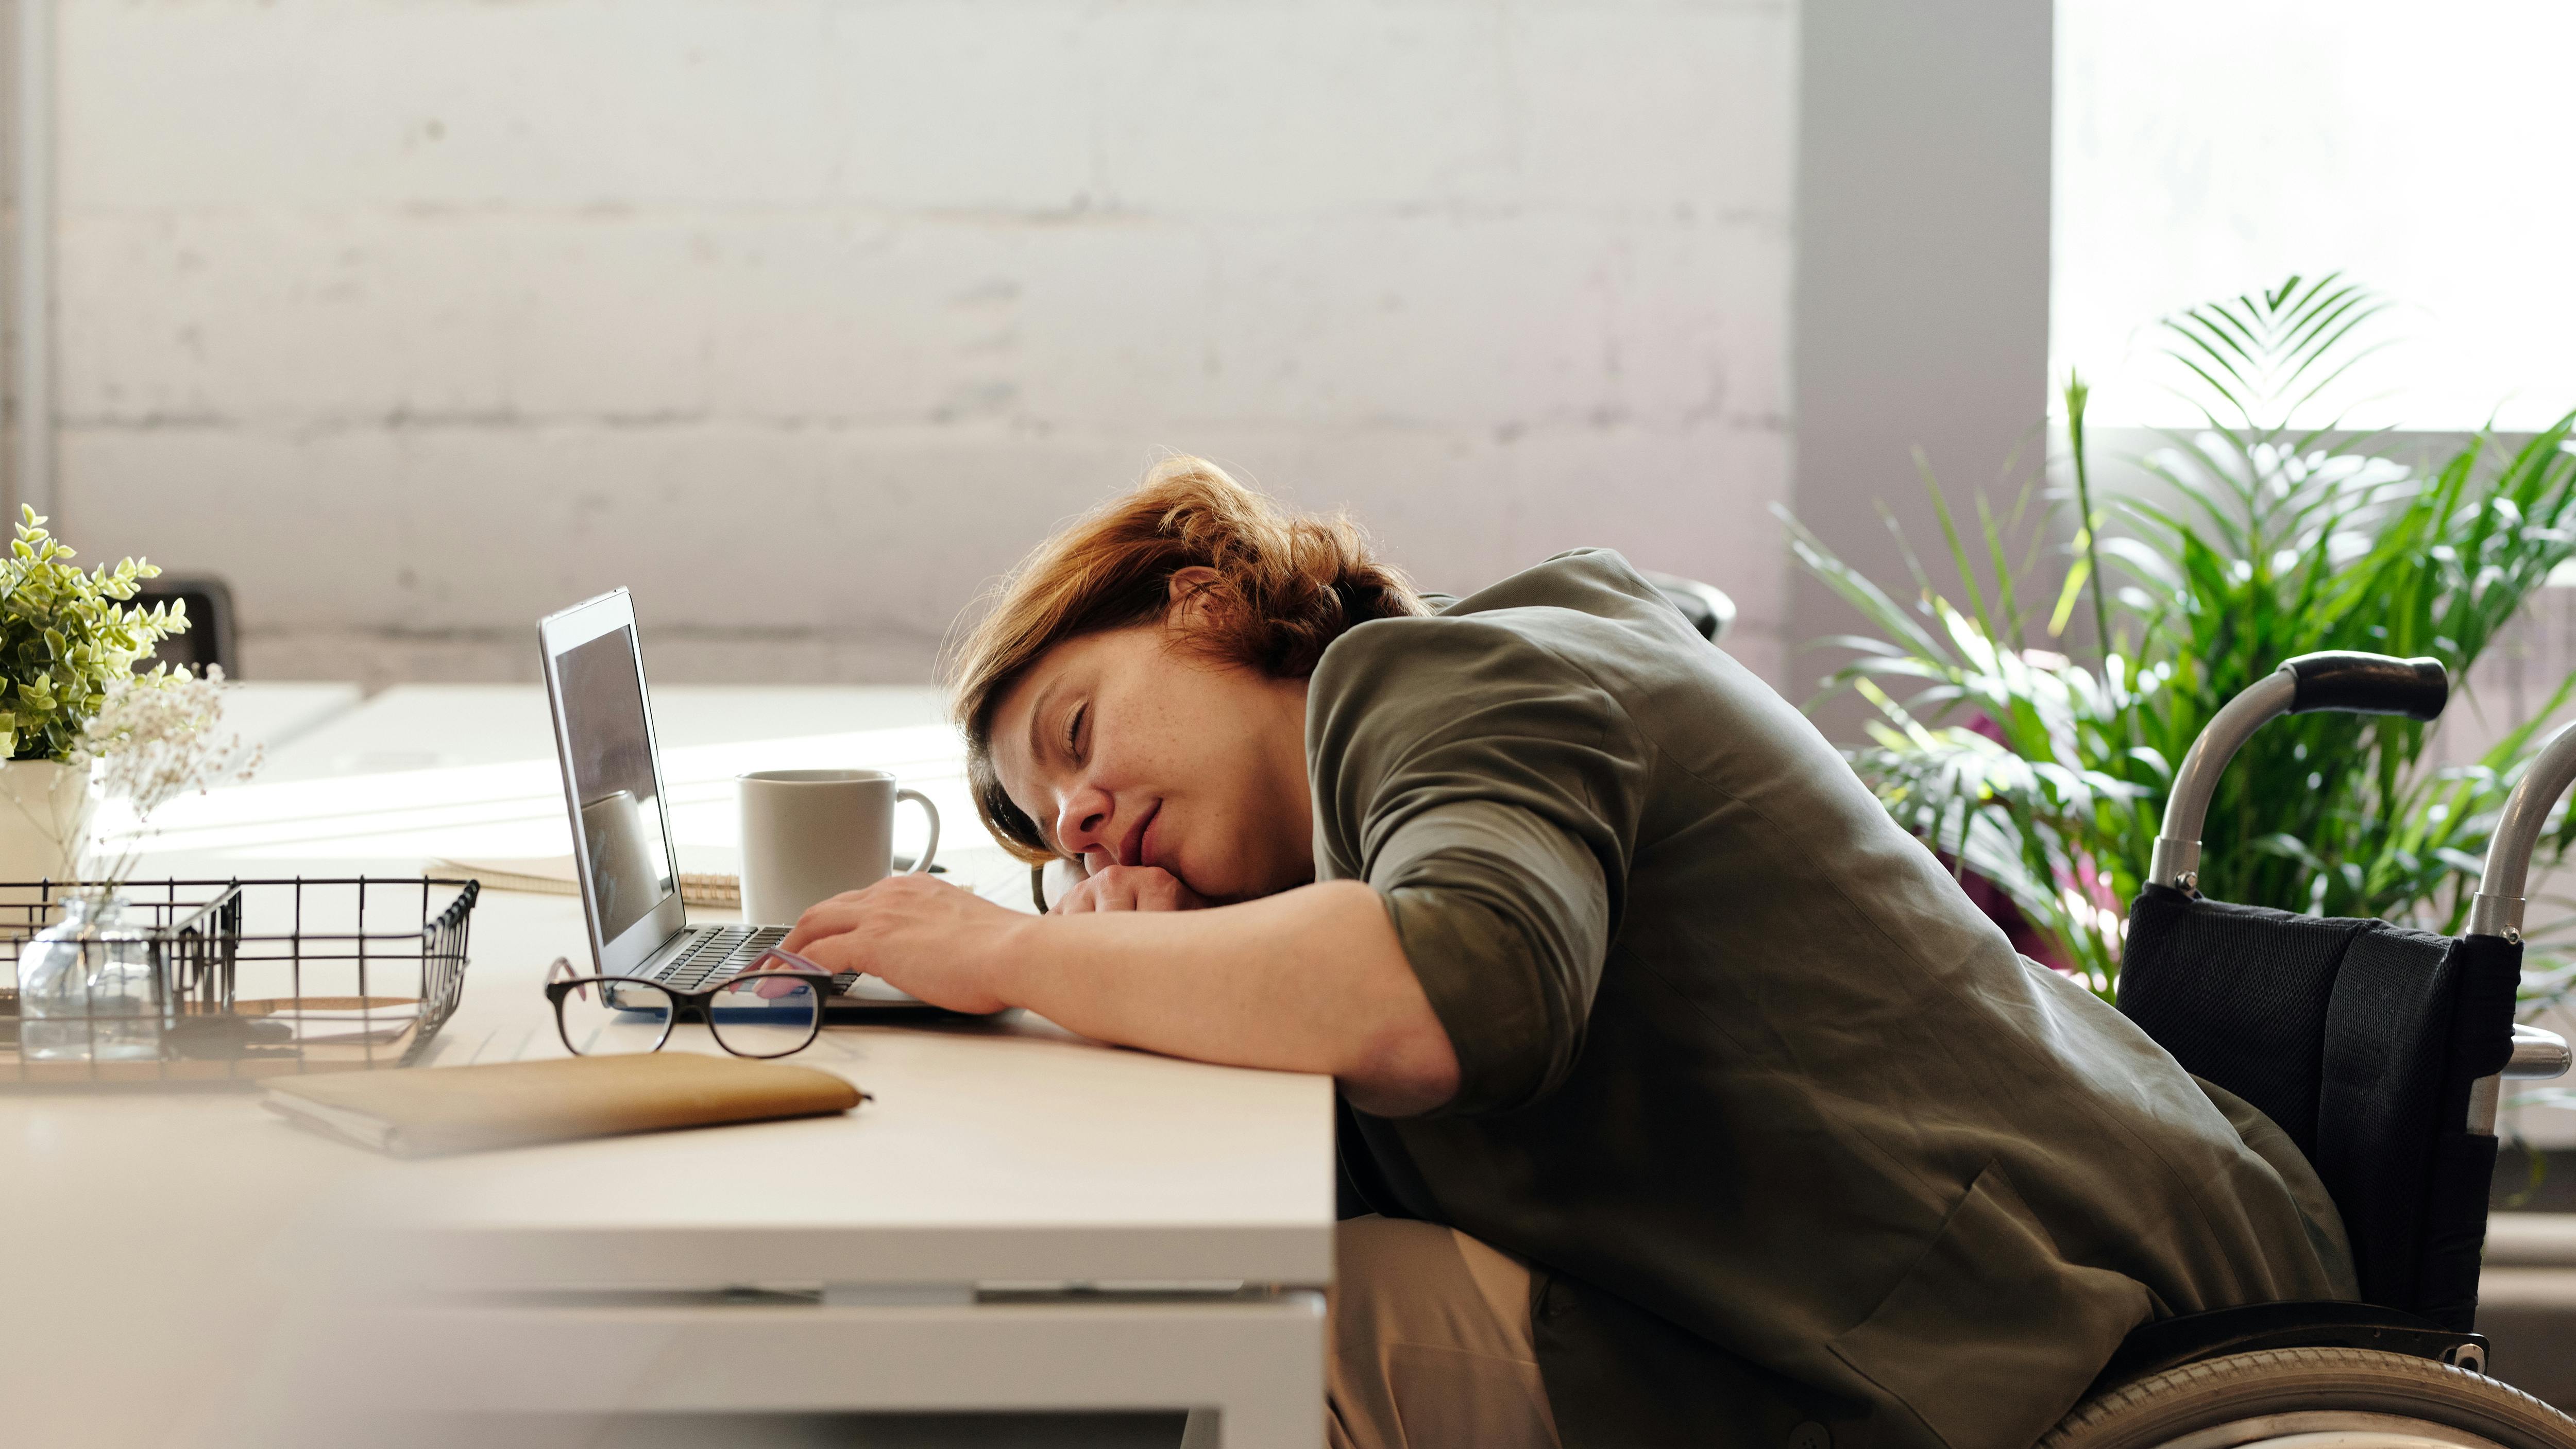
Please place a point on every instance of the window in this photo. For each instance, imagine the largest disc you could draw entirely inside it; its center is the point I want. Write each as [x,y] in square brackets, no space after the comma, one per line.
[2210,147]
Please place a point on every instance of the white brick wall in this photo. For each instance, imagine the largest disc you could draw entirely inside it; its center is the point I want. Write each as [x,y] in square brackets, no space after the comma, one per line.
[418,318]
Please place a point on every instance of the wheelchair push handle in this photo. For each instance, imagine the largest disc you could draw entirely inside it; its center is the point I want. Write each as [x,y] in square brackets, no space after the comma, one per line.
[2340,680]
[2496,910]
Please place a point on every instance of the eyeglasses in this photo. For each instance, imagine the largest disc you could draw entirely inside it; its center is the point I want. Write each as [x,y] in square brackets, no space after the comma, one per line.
[755,1014]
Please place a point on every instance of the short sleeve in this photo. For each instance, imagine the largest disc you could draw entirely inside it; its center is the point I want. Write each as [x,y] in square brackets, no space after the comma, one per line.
[1490,791]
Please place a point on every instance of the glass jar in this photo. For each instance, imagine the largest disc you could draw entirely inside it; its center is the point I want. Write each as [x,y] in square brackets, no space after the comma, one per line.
[87,990]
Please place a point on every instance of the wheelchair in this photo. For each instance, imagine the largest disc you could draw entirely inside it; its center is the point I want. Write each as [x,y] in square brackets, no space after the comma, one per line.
[2381,1051]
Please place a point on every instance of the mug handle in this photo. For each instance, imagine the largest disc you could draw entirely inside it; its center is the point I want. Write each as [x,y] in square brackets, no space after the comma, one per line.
[931,849]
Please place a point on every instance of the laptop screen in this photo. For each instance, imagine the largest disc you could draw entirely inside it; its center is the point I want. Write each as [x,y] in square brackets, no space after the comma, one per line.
[612,776]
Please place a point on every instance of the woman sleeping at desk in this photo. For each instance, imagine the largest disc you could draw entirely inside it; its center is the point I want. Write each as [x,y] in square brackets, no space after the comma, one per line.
[1689,1099]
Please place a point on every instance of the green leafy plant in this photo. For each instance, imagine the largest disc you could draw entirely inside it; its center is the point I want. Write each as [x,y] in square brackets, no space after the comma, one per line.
[65,637]
[2044,766]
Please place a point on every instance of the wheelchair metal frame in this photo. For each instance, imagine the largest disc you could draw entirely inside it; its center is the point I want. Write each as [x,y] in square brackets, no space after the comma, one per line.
[2363,684]
[2417,689]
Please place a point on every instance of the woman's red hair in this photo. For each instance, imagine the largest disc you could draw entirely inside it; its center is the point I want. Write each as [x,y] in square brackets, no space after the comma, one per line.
[1285,587]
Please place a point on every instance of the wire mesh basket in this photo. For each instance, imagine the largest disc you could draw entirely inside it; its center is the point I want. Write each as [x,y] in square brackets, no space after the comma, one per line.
[207,982]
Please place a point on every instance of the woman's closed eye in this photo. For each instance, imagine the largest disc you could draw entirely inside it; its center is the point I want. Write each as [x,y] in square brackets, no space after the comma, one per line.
[1073,733]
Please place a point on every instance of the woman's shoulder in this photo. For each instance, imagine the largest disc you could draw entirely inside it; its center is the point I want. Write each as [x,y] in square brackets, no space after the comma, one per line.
[1581,645]
[1576,652]
[1597,582]
[1502,697]
[1578,614]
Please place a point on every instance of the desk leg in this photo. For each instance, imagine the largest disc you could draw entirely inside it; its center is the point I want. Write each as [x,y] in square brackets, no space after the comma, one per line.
[1257,1362]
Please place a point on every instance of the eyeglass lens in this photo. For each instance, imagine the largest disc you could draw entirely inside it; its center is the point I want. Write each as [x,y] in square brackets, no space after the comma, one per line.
[614,1018]
[765,1015]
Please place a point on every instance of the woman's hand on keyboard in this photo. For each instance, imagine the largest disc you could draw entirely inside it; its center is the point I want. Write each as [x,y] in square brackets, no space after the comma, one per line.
[920,935]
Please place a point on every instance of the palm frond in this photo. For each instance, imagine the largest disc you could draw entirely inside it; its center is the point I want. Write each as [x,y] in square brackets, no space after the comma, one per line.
[2265,540]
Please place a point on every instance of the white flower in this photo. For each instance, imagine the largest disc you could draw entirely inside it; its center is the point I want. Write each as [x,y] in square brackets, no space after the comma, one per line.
[153,740]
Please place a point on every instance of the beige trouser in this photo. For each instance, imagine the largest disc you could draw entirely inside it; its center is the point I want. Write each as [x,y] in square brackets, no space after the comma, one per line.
[1431,1343]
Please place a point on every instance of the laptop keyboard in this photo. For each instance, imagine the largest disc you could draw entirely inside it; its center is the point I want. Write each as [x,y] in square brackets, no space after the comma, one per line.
[721,952]
[718,953]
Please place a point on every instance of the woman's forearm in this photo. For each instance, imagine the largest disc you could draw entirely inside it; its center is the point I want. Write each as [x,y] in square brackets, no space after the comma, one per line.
[1310,980]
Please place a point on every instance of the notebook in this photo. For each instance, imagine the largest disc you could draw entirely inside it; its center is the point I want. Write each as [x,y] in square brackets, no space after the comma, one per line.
[427,1111]
[552,875]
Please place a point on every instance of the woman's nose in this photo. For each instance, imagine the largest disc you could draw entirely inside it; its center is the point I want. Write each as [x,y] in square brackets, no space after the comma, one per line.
[1082,826]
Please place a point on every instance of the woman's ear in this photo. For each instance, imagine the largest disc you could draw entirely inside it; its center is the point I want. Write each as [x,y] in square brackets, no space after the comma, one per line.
[1194,597]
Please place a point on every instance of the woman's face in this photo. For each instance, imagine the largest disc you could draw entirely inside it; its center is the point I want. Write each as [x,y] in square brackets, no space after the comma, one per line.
[1127,751]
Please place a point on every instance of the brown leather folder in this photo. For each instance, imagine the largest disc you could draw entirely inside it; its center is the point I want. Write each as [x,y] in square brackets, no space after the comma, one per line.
[424,1111]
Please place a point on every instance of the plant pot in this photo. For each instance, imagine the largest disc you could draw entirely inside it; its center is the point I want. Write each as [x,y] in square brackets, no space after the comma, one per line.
[44,819]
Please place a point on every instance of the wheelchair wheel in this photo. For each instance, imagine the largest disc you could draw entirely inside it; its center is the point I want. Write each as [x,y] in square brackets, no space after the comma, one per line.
[2314,1398]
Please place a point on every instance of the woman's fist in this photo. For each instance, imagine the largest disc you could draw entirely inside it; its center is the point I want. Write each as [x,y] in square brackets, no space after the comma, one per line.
[1129,888]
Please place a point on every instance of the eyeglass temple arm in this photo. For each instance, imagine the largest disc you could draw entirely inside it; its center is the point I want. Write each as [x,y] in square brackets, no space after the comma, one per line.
[561,979]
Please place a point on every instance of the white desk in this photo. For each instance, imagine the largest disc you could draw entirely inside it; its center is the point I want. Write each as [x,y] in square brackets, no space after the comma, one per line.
[1021,1219]
[273,715]
[432,726]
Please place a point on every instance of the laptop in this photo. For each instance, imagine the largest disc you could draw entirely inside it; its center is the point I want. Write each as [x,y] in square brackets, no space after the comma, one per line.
[623,852]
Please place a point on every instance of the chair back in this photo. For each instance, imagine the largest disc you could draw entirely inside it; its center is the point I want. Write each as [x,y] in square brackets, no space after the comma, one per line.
[209,637]
[2363,1041]
[1707,607]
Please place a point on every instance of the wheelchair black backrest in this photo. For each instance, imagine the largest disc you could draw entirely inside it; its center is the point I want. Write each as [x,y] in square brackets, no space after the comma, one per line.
[2359,1038]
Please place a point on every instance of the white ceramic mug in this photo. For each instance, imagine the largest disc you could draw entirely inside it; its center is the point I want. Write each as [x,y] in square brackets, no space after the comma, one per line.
[808,835]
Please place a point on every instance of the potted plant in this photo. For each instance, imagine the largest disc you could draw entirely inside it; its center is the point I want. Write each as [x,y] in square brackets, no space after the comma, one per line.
[89,987]
[2042,765]
[66,637]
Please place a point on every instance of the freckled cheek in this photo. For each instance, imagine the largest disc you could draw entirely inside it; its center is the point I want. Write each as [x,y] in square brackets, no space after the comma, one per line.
[1133,762]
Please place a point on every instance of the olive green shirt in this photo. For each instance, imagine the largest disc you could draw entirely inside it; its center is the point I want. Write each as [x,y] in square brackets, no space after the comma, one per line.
[1789,1132]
